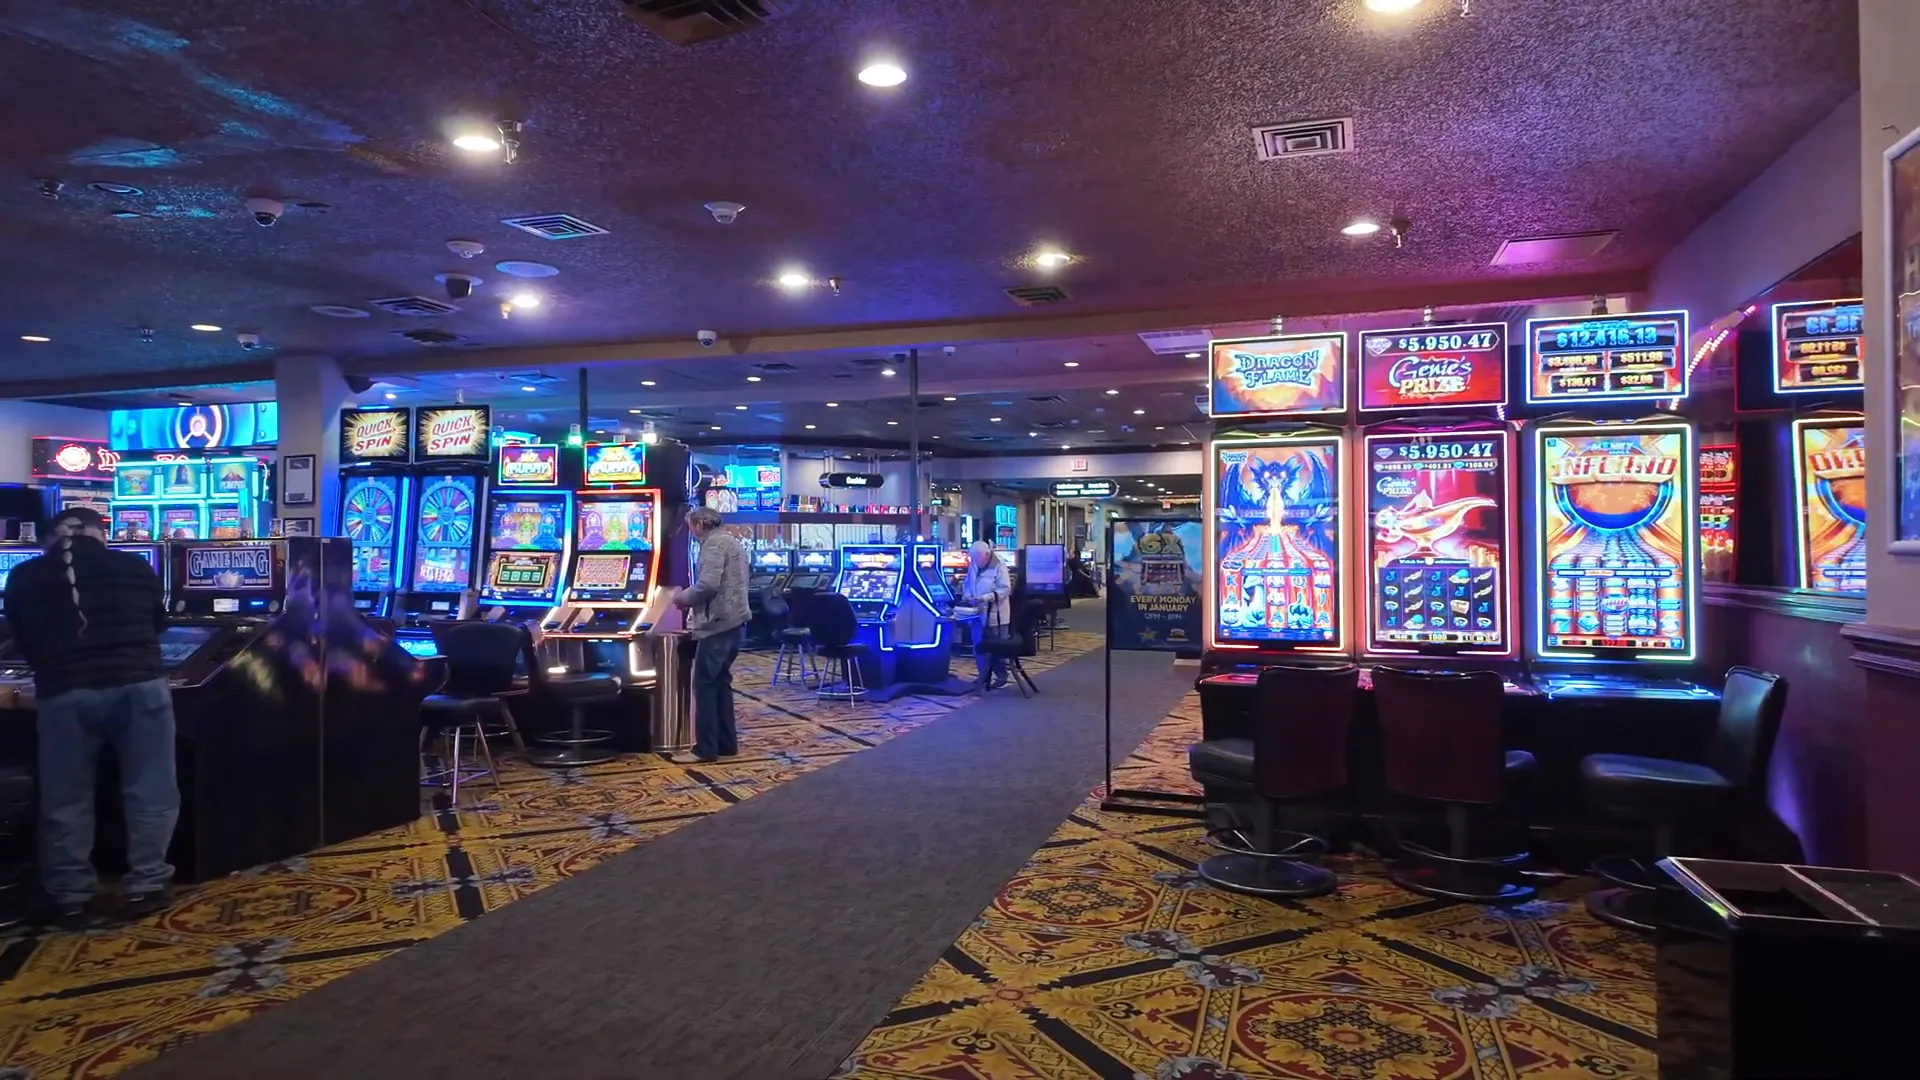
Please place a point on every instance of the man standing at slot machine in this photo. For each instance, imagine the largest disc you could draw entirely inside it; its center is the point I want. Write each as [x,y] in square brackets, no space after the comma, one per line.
[88,619]
[717,614]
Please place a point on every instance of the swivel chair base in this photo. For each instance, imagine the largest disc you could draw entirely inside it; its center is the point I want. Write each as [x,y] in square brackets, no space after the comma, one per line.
[1281,874]
[1453,877]
[567,757]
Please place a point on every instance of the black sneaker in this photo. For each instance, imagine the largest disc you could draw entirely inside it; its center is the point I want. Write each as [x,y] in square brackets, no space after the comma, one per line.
[141,905]
[70,918]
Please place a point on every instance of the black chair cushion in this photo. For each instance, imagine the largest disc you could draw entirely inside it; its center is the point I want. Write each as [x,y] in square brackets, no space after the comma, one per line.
[583,686]
[1222,763]
[795,633]
[1653,789]
[836,652]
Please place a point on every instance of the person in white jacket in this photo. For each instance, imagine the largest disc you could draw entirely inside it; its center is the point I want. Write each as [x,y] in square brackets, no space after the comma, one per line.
[990,589]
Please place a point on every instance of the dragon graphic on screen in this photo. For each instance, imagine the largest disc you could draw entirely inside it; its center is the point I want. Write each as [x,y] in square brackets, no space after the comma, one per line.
[1277,543]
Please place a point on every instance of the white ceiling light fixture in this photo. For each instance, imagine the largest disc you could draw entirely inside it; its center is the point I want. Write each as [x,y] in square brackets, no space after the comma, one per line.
[725,211]
[883,73]
[888,372]
[794,279]
[1193,356]
[205,328]
[993,419]
[391,396]
[530,389]
[648,382]
[477,142]
[739,408]
[1139,412]
[893,423]
[635,412]
[1071,363]
[833,404]
[810,427]
[1112,393]
[1391,7]
[521,268]
[949,397]
[37,339]
[753,378]
[525,300]
[1360,227]
[1051,259]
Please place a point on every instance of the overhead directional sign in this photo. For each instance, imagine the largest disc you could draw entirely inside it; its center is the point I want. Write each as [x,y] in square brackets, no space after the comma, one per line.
[1083,489]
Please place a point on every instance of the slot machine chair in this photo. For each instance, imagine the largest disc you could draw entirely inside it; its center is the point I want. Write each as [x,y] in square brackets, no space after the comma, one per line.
[1297,755]
[1023,642]
[480,659]
[1704,799]
[797,660]
[831,625]
[576,744]
[1441,742]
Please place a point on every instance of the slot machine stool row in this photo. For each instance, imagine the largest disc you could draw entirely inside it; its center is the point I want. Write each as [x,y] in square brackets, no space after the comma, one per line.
[296,723]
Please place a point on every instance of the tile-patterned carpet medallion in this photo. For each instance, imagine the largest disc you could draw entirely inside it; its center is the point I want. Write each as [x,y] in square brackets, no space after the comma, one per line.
[89,1005]
[1107,958]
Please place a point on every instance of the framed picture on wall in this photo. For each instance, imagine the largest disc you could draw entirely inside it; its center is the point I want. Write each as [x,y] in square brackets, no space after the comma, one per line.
[299,526]
[297,481]
[1900,227]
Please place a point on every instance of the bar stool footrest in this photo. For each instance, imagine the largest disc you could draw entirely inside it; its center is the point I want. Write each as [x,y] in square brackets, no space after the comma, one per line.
[566,737]
[570,757]
[1267,875]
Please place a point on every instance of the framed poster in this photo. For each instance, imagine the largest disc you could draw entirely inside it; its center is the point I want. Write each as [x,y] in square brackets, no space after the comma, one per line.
[297,480]
[1154,583]
[1900,191]
[298,526]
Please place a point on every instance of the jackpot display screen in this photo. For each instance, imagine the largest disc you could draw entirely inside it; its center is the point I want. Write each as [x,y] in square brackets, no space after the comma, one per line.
[1279,376]
[1434,367]
[370,516]
[624,524]
[1607,357]
[1830,490]
[1719,509]
[1616,542]
[1275,537]
[448,513]
[1818,347]
[1439,541]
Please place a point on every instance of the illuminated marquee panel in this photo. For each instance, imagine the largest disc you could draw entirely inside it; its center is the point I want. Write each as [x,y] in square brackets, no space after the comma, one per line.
[1614,542]
[1719,510]
[1290,375]
[1277,566]
[1818,347]
[1440,541]
[1434,367]
[1830,496]
[1634,357]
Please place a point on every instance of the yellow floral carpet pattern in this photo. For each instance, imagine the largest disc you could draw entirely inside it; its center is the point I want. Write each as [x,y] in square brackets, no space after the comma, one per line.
[91,1004]
[1107,958]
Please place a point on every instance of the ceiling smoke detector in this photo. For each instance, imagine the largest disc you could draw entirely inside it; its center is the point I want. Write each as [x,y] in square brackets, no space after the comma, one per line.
[724,212]
[466,249]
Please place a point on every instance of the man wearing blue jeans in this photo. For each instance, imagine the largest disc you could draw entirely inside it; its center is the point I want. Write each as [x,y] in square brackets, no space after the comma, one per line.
[717,614]
[89,619]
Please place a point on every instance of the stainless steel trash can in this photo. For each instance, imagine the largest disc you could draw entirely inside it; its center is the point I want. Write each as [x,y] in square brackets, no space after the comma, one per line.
[671,711]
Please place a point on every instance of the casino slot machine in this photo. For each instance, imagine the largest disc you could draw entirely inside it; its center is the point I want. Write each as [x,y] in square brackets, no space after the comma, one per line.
[1816,371]
[909,641]
[376,489]
[769,570]
[452,454]
[613,594]
[528,537]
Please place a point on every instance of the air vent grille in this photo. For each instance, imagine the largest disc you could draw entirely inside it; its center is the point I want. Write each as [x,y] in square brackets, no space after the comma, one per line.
[986,438]
[529,378]
[690,22]
[1053,425]
[554,226]
[1177,342]
[435,338]
[777,367]
[413,306]
[1303,138]
[1570,247]
[1036,295]
[1048,399]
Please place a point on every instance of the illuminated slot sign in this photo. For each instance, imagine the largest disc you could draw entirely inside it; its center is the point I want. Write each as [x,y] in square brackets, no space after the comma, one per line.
[615,464]
[528,465]
[1289,375]
[1440,534]
[869,481]
[1607,357]
[73,459]
[1817,346]
[230,568]
[1719,510]
[1616,543]
[1083,489]
[452,433]
[1434,367]
[1830,490]
[1275,537]
[375,435]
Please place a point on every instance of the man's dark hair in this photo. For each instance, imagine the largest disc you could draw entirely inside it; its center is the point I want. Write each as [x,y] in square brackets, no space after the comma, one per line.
[68,524]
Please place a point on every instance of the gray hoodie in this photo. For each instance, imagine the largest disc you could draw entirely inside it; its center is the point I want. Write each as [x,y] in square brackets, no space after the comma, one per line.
[717,601]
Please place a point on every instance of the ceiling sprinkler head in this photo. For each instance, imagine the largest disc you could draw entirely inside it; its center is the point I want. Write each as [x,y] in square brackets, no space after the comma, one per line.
[724,212]
[834,284]
[1400,227]
[466,249]
[50,188]
[1279,325]
[1599,306]
[146,334]
[509,140]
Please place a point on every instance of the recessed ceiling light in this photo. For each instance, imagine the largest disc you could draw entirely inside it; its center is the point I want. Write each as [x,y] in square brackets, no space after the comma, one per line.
[646,382]
[993,419]
[793,279]
[185,404]
[520,268]
[888,372]
[1052,260]
[1033,434]
[893,423]
[739,408]
[1071,363]
[1362,227]
[810,427]
[1066,446]
[205,328]
[715,427]
[1139,412]
[477,142]
[391,396]
[883,74]
[753,378]
[1193,356]
[935,436]
[949,397]
[38,339]
[525,300]
[1111,393]
[1160,428]
[1392,7]
[635,412]
[833,404]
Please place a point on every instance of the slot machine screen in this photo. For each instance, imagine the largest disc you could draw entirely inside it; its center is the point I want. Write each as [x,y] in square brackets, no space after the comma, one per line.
[1276,544]
[602,573]
[225,522]
[1617,544]
[1719,510]
[528,523]
[1439,541]
[133,522]
[1818,346]
[179,643]
[1634,357]
[1046,573]
[1830,474]
[443,537]
[614,524]
[816,561]
[772,562]
[370,516]
[869,585]
[11,558]
[180,523]
[522,574]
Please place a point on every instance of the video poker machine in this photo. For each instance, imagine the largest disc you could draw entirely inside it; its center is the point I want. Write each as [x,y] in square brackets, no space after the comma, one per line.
[909,640]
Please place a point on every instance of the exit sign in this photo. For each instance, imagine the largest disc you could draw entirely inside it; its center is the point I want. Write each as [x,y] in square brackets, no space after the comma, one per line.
[1078,464]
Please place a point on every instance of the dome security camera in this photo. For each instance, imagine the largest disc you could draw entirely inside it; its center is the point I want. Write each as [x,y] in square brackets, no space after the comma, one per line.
[266,212]
[725,212]
[707,338]
[458,286]
[248,340]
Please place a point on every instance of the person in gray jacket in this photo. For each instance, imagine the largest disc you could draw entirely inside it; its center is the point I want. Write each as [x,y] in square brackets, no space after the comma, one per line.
[717,613]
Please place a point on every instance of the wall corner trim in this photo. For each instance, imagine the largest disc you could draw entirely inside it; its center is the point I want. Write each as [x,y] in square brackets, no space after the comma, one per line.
[1889,649]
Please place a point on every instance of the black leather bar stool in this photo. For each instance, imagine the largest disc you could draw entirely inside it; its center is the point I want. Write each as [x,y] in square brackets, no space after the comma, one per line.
[1023,642]
[1440,736]
[1704,799]
[831,620]
[469,710]
[796,660]
[1298,753]
[577,744]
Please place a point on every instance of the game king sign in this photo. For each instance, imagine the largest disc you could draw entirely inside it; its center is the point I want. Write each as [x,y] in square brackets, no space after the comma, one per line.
[374,434]
[1434,367]
[454,432]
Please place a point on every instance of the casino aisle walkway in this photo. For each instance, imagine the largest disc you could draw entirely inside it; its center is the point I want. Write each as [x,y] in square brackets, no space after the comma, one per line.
[1106,957]
[91,1005]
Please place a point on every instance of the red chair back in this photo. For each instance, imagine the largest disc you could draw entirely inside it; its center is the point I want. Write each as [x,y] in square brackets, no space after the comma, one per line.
[1300,730]
[1440,734]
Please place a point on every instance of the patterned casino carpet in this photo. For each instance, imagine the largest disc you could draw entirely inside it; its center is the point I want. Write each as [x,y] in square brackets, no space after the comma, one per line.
[1107,958]
[90,1005]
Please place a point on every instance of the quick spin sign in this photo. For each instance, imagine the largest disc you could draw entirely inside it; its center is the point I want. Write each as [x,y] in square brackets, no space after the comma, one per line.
[452,433]
[375,434]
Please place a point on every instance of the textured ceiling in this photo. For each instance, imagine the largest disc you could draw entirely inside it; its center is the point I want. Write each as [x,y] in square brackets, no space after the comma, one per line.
[1116,129]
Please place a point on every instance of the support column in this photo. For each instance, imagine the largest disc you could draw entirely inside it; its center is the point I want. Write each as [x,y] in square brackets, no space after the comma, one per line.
[311,393]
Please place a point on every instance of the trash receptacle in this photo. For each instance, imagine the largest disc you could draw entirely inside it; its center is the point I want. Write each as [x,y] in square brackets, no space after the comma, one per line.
[671,714]
[1775,970]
